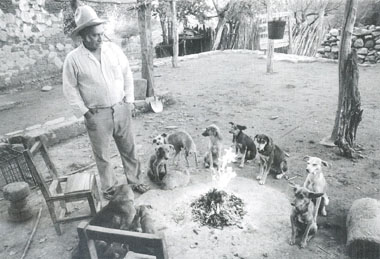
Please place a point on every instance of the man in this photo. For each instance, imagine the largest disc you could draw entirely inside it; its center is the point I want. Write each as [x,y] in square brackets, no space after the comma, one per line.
[98,83]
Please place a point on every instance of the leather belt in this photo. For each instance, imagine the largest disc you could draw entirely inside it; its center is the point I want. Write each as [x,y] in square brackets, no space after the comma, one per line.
[96,109]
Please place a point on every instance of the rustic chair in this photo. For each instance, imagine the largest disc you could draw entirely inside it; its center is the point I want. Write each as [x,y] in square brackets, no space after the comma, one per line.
[88,234]
[77,187]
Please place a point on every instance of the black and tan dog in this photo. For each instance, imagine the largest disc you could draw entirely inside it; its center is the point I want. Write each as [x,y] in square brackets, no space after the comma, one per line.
[181,140]
[214,151]
[302,217]
[157,163]
[243,143]
[272,158]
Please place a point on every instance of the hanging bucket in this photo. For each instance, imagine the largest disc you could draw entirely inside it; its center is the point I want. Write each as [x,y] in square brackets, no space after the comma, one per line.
[276,30]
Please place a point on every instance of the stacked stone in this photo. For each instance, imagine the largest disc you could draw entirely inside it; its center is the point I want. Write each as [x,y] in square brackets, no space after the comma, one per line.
[365,40]
[16,193]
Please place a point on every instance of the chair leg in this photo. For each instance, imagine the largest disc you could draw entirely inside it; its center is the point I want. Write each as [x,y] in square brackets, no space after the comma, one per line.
[53,216]
[91,202]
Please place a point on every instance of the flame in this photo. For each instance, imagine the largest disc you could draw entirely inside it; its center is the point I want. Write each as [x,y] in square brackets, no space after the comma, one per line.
[224,174]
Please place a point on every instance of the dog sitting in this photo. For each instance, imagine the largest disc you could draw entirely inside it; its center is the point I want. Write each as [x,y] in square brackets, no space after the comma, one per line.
[243,143]
[157,163]
[181,140]
[214,152]
[316,182]
[120,212]
[272,158]
[302,217]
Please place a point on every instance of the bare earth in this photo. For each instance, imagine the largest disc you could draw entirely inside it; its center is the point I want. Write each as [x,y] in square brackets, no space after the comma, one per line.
[296,106]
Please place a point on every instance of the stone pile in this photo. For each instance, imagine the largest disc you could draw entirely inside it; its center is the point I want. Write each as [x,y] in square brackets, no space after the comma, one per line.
[16,193]
[365,40]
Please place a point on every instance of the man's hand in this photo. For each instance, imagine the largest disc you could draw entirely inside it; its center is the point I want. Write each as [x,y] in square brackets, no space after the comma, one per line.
[88,114]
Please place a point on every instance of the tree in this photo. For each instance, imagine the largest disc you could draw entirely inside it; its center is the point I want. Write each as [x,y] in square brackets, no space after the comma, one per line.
[349,112]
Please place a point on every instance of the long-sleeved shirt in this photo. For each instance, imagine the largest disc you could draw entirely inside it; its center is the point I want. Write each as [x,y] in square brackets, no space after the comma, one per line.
[88,83]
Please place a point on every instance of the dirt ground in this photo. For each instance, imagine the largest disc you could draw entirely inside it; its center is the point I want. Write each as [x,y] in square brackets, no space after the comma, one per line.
[295,105]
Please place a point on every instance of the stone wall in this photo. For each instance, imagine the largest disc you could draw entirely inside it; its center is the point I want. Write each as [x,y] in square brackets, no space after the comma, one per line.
[33,44]
[366,40]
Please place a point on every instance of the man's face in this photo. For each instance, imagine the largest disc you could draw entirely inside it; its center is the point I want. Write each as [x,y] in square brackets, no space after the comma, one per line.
[93,37]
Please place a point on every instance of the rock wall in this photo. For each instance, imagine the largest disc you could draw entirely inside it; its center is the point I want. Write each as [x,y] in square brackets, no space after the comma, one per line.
[366,40]
[33,44]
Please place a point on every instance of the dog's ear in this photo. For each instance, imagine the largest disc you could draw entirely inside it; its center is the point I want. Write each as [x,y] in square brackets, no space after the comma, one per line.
[231,123]
[314,195]
[306,158]
[241,127]
[325,163]
[255,138]
[270,141]
[164,135]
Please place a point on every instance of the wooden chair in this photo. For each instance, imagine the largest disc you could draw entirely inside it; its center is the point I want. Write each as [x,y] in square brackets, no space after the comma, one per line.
[77,187]
[88,234]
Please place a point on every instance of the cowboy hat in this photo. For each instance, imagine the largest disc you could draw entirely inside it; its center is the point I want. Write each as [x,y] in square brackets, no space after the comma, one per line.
[84,17]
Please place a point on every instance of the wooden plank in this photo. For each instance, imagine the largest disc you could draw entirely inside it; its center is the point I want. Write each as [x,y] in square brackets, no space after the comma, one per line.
[135,240]
[78,182]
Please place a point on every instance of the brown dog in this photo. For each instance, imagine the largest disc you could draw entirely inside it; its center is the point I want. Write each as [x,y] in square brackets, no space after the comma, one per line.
[302,216]
[119,212]
[146,221]
[214,152]
[181,140]
[272,158]
[316,182]
[157,163]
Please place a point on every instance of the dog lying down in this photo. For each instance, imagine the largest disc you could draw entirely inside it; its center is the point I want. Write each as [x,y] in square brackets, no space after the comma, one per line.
[302,217]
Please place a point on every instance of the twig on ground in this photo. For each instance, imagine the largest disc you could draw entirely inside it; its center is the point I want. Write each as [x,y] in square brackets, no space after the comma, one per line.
[324,250]
[290,131]
[291,178]
[87,167]
[31,235]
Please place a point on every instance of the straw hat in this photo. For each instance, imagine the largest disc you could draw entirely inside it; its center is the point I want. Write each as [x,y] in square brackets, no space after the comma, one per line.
[84,17]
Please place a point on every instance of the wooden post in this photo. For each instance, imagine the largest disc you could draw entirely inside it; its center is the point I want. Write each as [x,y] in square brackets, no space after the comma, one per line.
[270,48]
[290,35]
[144,14]
[174,33]
[349,112]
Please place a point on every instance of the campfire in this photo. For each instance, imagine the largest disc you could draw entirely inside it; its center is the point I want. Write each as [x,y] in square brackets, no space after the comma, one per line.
[217,208]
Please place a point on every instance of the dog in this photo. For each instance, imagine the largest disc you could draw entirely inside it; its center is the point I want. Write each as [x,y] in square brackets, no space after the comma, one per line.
[316,182]
[120,212]
[214,152]
[181,140]
[146,221]
[243,143]
[272,158]
[302,217]
[157,163]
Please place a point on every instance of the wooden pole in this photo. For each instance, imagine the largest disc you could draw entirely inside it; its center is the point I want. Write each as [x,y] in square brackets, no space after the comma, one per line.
[144,22]
[174,33]
[349,112]
[290,35]
[270,48]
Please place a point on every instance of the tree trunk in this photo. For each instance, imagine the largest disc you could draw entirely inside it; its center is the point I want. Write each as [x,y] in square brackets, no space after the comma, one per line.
[174,33]
[219,32]
[270,48]
[349,112]
[165,39]
[144,14]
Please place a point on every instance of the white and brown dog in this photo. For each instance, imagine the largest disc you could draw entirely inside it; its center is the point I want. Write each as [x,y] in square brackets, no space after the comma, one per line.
[214,152]
[316,182]
[181,140]
[272,158]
